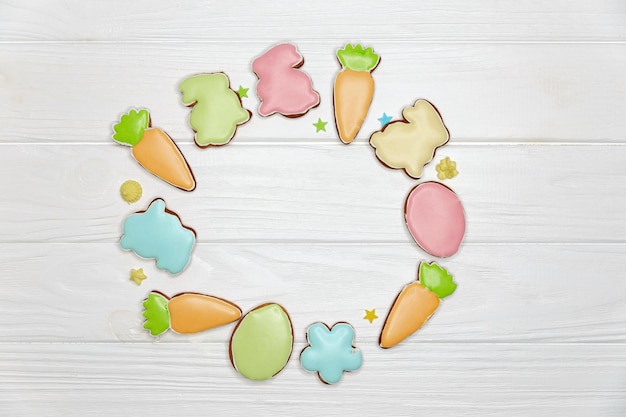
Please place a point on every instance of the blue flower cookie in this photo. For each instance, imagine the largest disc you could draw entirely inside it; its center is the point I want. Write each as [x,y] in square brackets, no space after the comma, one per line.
[330,352]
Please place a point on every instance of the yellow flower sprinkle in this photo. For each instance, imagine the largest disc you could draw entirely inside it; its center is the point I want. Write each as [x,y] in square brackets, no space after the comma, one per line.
[446,169]
[131,191]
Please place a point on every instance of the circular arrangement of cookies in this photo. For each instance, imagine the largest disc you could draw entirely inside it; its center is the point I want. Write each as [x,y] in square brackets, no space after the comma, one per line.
[262,339]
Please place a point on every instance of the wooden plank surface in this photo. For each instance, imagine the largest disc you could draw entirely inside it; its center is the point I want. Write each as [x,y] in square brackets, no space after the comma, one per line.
[533,94]
[401,21]
[485,92]
[506,293]
[190,379]
[317,193]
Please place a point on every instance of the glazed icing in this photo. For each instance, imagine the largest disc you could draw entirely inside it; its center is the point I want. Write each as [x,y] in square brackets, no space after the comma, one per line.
[353,90]
[157,233]
[156,314]
[187,313]
[284,88]
[436,279]
[262,342]
[435,217]
[217,109]
[413,306]
[153,149]
[410,144]
[158,153]
[193,313]
[330,352]
[416,303]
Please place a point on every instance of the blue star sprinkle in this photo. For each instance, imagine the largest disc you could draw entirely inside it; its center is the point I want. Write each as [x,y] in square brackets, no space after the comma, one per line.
[384,120]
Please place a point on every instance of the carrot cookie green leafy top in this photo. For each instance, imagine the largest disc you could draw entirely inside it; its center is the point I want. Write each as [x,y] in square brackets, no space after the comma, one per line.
[436,279]
[130,128]
[156,314]
[356,58]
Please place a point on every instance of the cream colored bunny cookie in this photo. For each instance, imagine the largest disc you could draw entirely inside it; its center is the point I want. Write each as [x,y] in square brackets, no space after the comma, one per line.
[410,144]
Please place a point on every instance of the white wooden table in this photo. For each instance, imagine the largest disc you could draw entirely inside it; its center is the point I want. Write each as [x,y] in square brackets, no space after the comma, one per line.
[534,95]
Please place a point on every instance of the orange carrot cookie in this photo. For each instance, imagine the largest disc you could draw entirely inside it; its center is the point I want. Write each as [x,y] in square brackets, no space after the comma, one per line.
[354,89]
[410,144]
[187,313]
[154,149]
[416,303]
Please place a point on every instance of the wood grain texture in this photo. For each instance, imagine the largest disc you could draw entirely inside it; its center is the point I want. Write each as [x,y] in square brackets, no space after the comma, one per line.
[506,293]
[317,193]
[533,94]
[190,379]
[539,92]
[368,20]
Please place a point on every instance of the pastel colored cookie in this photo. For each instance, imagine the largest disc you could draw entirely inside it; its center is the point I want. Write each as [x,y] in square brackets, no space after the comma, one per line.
[436,219]
[154,149]
[330,352]
[158,233]
[187,313]
[410,144]
[416,303]
[262,342]
[353,89]
[217,109]
[284,88]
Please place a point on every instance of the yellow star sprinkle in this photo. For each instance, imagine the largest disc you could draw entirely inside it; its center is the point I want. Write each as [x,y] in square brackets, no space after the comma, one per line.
[137,275]
[446,169]
[370,315]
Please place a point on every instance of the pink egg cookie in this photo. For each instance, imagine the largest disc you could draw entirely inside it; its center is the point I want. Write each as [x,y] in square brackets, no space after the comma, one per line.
[435,217]
[282,87]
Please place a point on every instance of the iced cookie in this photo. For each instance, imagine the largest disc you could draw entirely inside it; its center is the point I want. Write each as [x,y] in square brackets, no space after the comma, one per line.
[416,303]
[354,89]
[158,233]
[330,352]
[410,144]
[187,313]
[284,88]
[436,219]
[262,342]
[154,149]
[217,109]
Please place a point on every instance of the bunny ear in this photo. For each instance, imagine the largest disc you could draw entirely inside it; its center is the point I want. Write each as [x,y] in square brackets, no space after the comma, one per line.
[292,52]
[420,111]
[416,112]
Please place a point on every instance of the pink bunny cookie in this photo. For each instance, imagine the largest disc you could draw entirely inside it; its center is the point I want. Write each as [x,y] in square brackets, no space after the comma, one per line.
[282,87]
